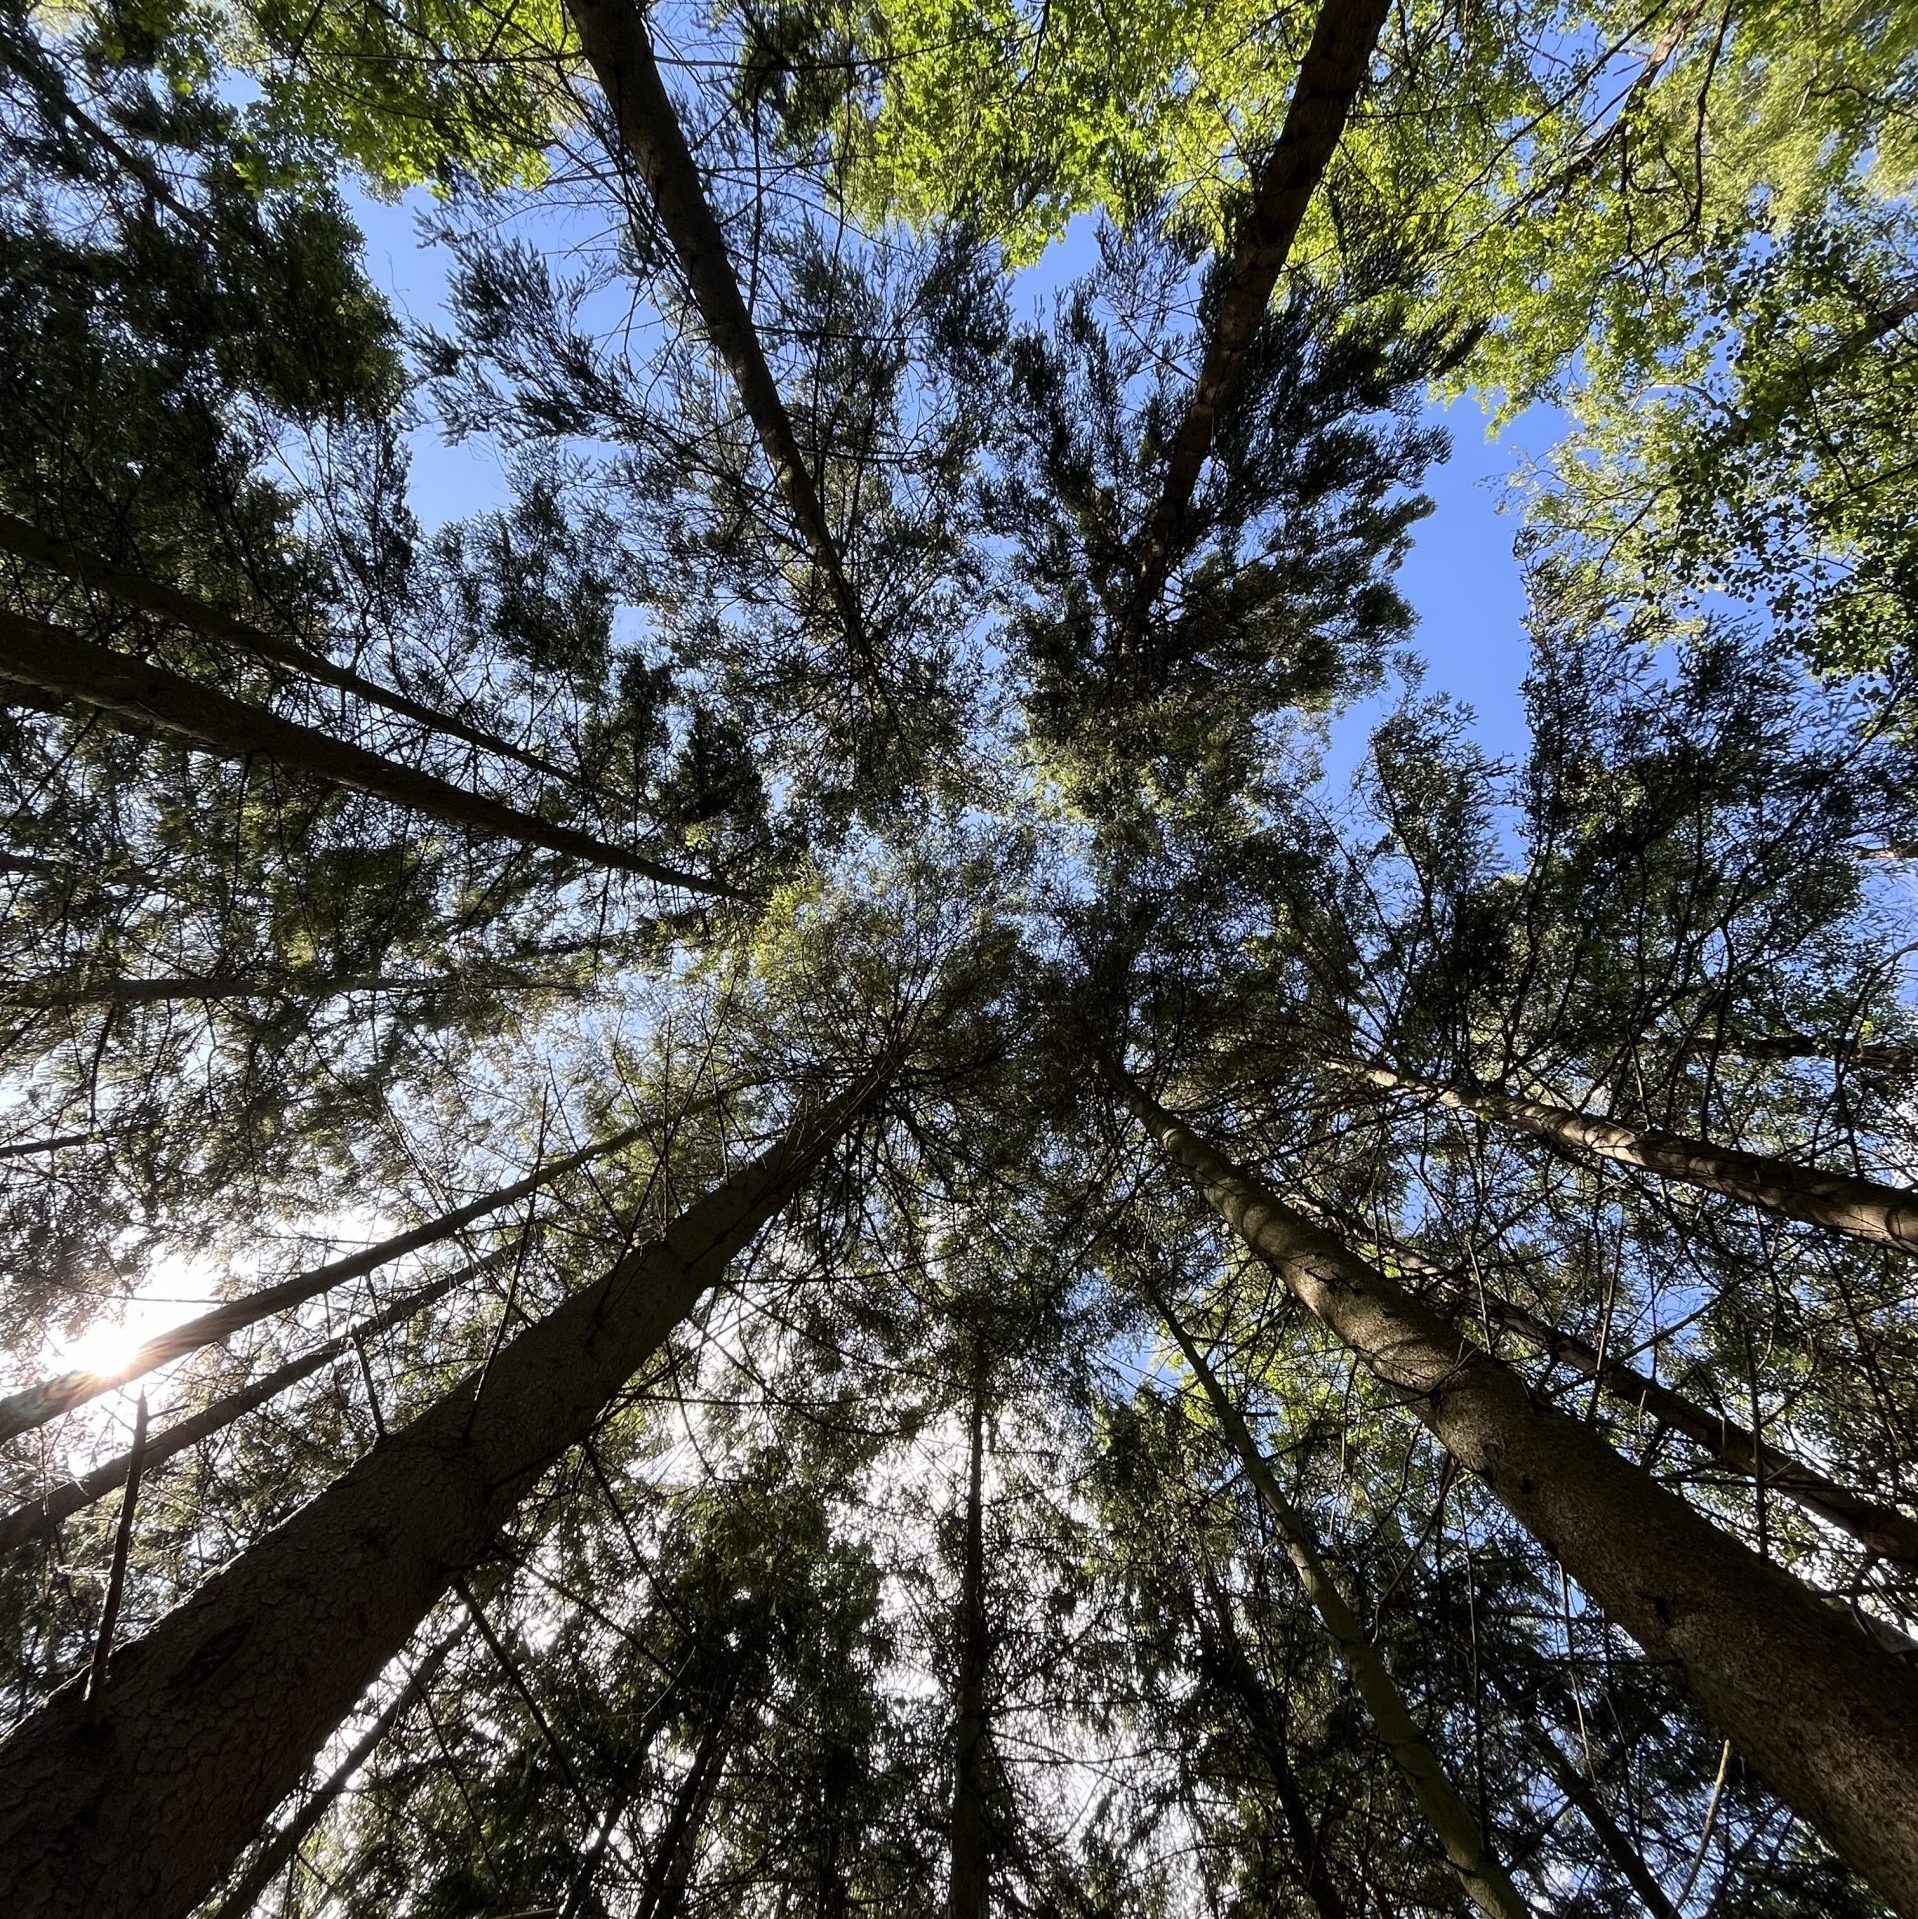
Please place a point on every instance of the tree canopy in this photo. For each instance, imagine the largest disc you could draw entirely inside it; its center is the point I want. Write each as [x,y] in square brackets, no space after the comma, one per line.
[849,1160]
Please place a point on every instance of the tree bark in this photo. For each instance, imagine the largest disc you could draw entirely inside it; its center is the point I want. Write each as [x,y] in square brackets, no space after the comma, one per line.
[47,996]
[58,664]
[1878,1527]
[274,1857]
[1888,1056]
[41,1518]
[1625,1857]
[1820,1711]
[1862,1208]
[1453,1826]
[34,1405]
[663,1891]
[181,609]
[968,1880]
[1331,77]
[613,35]
[136,1805]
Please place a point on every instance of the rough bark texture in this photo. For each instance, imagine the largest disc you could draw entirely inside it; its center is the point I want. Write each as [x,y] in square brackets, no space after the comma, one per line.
[134,1809]
[1822,1713]
[35,1405]
[41,1518]
[274,1857]
[967,1881]
[1886,1215]
[58,665]
[1878,1527]
[1457,1832]
[613,35]
[181,609]
[1331,77]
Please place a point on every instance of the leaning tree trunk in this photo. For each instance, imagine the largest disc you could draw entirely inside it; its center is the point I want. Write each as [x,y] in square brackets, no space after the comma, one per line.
[1485,1881]
[59,666]
[1864,1208]
[1331,77]
[617,45]
[1823,1714]
[966,1885]
[1880,1528]
[1890,1056]
[34,1405]
[662,1893]
[208,622]
[277,1854]
[132,1805]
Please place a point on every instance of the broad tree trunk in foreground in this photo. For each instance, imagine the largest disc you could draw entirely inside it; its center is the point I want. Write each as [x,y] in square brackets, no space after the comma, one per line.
[134,1807]
[1824,1715]
[34,1405]
[54,662]
[1864,1208]
[1241,1678]
[967,1882]
[1878,1527]
[181,609]
[1457,1832]
[277,1854]
[1331,77]
[616,43]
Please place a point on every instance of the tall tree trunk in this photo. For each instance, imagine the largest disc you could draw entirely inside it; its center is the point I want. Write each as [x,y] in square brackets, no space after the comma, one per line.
[1453,1826]
[1878,1527]
[56,663]
[135,1804]
[616,43]
[662,1893]
[276,1855]
[41,1518]
[967,1883]
[1863,1208]
[50,995]
[1242,1680]
[1889,1056]
[181,609]
[1821,1712]
[1331,77]
[34,1405]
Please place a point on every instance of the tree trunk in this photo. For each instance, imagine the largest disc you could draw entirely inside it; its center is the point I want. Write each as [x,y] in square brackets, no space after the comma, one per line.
[1331,77]
[663,1892]
[1863,1208]
[1890,1056]
[274,1857]
[1453,1826]
[1242,1680]
[1821,1712]
[613,35]
[181,609]
[34,1405]
[967,1883]
[1878,1527]
[1625,1857]
[58,663]
[135,1805]
[41,1518]
[48,996]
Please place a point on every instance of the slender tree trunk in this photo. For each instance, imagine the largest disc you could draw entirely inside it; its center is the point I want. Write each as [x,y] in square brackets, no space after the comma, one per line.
[1457,1832]
[1863,1208]
[41,1518]
[60,664]
[1888,1056]
[132,1807]
[1625,1857]
[1819,1710]
[34,1405]
[76,563]
[663,1891]
[1243,1681]
[1331,77]
[967,1883]
[51,996]
[616,43]
[274,1857]
[1878,1527]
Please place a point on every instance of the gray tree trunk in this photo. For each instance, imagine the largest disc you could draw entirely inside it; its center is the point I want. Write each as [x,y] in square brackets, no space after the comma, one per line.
[1824,1715]
[58,665]
[967,1881]
[133,1808]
